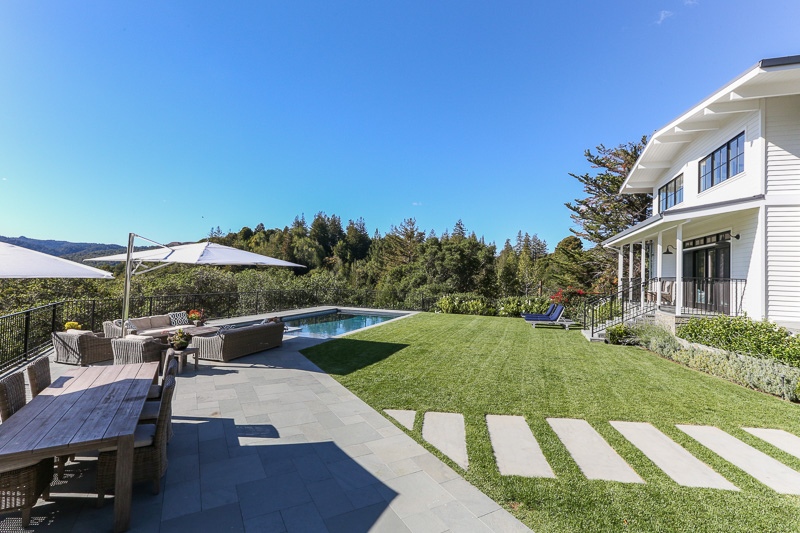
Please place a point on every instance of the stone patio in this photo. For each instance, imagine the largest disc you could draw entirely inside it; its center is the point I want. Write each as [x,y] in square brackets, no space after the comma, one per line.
[270,443]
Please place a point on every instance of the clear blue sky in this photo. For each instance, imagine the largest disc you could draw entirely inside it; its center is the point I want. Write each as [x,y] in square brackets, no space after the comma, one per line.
[168,118]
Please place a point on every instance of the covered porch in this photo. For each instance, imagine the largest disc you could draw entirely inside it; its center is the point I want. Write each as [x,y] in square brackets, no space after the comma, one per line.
[691,261]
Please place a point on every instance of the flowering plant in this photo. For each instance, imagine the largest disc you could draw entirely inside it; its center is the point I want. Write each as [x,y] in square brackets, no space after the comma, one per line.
[194,314]
[72,325]
[180,339]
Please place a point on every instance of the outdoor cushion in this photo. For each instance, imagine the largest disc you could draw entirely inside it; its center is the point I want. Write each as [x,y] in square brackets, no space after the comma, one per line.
[179,318]
[160,321]
[140,323]
[79,332]
[139,337]
[154,392]
[4,469]
[143,436]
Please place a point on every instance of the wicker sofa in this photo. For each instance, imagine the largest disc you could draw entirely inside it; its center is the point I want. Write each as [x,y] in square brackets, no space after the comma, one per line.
[238,342]
[77,347]
[158,326]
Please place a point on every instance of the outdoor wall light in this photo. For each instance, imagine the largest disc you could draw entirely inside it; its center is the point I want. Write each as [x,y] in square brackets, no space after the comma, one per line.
[668,252]
[737,236]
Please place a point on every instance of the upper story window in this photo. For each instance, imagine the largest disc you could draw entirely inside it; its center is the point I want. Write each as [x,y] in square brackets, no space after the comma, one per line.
[723,163]
[670,194]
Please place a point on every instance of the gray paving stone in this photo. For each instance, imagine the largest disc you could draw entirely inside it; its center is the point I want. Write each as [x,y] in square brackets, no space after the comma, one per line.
[425,522]
[303,519]
[515,449]
[761,466]
[405,417]
[268,523]
[359,433]
[446,432]
[182,499]
[375,518]
[226,518]
[594,456]
[458,519]
[329,498]
[684,468]
[414,493]
[477,502]
[216,497]
[502,521]
[272,494]
[783,440]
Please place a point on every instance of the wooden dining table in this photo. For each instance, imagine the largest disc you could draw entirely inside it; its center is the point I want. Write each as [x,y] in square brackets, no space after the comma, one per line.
[85,409]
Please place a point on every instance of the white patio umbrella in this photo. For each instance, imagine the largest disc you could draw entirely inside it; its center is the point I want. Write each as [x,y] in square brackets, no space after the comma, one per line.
[201,253]
[19,262]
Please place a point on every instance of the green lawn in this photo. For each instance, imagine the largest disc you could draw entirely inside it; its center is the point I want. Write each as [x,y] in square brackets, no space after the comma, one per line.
[486,365]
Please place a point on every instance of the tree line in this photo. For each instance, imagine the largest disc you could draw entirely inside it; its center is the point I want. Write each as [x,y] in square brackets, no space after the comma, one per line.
[406,258]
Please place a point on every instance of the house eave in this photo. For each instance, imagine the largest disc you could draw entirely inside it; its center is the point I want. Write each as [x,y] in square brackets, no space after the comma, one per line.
[767,78]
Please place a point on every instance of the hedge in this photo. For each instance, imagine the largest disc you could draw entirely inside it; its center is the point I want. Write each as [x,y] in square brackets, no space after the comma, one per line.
[744,336]
[473,304]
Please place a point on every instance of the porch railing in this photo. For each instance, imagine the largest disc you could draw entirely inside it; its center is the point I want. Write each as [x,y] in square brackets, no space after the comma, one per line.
[627,303]
[26,334]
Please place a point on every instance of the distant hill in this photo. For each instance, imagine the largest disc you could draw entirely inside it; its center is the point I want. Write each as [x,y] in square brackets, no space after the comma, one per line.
[75,251]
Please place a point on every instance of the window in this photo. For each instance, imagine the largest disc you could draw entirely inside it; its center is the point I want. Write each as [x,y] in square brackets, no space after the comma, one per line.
[723,163]
[670,194]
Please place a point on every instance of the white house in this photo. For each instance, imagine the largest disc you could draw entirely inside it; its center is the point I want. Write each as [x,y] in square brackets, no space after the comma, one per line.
[725,180]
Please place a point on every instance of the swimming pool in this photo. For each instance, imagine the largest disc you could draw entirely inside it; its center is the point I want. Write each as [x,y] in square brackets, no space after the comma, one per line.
[327,325]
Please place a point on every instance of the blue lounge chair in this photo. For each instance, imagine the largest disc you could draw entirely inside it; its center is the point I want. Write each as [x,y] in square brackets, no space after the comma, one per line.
[539,316]
[556,318]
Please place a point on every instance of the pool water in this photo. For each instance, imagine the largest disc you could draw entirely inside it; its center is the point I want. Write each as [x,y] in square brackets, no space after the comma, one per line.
[332,324]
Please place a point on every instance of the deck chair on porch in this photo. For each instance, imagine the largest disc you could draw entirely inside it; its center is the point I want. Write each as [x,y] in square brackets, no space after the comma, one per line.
[667,293]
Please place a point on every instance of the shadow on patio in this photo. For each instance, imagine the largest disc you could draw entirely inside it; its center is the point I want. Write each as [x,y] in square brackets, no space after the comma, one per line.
[228,477]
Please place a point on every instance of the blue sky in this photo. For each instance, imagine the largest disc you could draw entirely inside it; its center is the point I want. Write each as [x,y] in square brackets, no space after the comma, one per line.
[168,118]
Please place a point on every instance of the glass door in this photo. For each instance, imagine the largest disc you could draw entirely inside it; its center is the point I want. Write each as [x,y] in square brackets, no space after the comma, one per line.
[707,278]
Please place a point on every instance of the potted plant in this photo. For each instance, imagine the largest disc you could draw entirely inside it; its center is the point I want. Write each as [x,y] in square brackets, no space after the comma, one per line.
[179,340]
[197,317]
[71,325]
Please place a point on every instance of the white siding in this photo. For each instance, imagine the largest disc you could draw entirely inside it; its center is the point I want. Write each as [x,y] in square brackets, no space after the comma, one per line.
[783,145]
[747,183]
[783,263]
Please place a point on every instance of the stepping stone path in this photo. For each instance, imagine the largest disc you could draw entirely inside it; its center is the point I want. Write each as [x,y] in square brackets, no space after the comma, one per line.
[446,432]
[779,438]
[684,468]
[595,457]
[515,449]
[761,466]
[404,417]
[517,453]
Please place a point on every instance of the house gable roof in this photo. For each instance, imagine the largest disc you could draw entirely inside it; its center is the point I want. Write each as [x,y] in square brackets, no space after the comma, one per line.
[778,76]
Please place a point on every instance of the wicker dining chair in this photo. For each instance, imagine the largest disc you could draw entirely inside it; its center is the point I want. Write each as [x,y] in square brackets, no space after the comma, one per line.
[152,408]
[39,379]
[21,487]
[155,390]
[129,351]
[149,453]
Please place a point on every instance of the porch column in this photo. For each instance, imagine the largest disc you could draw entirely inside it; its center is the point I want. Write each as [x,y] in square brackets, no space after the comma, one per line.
[679,270]
[630,271]
[620,266]
[643,273]
[659,251]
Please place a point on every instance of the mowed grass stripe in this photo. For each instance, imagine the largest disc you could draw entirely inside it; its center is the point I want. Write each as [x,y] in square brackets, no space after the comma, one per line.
[486,365]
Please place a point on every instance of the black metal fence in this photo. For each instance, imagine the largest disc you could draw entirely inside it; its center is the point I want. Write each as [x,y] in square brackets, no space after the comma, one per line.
[26,334]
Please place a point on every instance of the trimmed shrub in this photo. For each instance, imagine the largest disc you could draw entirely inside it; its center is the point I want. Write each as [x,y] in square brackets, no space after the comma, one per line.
[622,334]
[744,336]
[765,375]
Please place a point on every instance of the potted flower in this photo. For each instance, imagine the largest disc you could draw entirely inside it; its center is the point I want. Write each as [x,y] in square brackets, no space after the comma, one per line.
[179,340]
[197,317]
[71,325]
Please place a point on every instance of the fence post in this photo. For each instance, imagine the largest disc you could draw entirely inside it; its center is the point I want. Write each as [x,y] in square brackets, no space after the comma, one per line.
[53,320]
[27,332]
[94,302]
[151,307]
[257,293]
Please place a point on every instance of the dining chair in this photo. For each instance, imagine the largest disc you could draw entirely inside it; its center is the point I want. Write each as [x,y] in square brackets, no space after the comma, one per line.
[39,379]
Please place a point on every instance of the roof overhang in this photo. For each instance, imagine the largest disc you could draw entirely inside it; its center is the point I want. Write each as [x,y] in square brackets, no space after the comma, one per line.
[672,217]
[768,78]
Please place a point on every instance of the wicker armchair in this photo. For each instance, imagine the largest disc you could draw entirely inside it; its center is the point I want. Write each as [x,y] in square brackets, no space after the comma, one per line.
[112,329]
[149,453]
[39,379]
[20,488]
[238,342]
[128,351]
[81,350]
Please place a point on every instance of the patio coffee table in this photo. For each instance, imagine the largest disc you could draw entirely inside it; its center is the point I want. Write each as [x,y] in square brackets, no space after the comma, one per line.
[201,331]
[181,355]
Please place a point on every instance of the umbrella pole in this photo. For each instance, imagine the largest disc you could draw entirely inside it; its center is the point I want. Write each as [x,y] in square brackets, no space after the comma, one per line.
[127,290]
